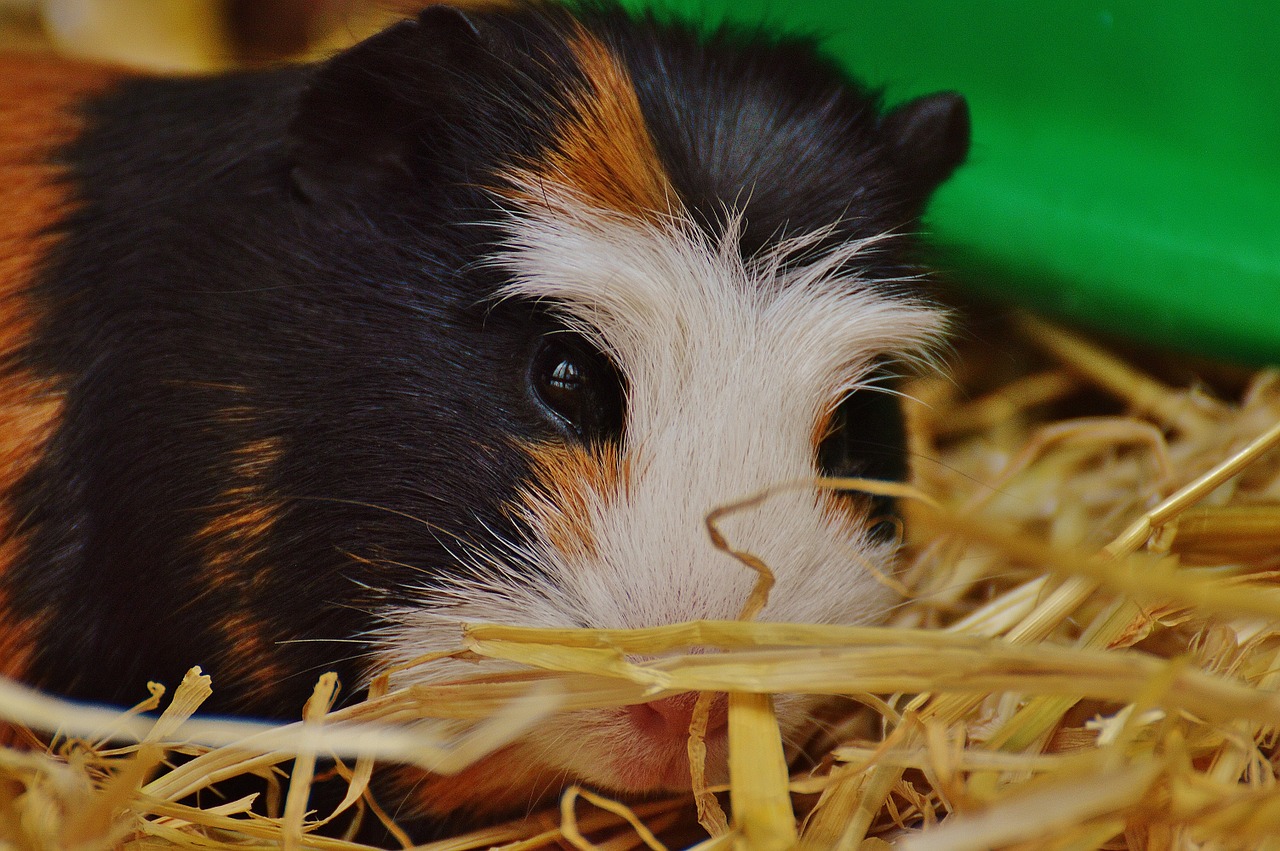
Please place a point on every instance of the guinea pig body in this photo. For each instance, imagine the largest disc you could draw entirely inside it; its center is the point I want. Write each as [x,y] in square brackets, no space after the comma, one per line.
[303,368]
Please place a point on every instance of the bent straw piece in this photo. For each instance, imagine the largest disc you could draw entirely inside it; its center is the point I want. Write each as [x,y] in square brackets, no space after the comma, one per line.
[1193,492]
[358,781]
[151,704]
[759,596]
[1104,433]
[570,828]
[710,814]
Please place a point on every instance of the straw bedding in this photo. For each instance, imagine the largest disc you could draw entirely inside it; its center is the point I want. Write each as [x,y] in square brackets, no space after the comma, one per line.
[1087,657]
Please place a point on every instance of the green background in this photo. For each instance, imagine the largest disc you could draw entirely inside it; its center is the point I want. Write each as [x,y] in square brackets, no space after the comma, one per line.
[1125,170]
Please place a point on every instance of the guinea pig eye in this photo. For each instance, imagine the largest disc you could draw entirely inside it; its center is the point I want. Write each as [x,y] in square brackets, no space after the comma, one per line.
[866,439]
[580,386]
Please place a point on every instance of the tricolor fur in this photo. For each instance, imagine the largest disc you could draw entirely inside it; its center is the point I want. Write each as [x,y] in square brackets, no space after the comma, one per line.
[277,358]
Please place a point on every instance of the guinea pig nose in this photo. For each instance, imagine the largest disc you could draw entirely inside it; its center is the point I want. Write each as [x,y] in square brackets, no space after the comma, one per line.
[671,716]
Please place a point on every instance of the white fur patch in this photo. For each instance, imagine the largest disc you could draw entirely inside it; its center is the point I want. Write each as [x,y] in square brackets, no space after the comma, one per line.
[730,366]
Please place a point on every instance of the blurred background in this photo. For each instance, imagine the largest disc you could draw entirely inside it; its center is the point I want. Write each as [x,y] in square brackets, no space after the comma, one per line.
[192,35]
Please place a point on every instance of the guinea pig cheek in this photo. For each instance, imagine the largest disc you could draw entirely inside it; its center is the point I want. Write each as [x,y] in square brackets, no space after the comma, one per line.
[573,510]
[640,748]
[570,486]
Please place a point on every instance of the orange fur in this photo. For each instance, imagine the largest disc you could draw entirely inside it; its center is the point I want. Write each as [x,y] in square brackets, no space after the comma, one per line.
[245,514]
[230,541]
[604,152]
[566,477]
[848,509]
[17,636]
[38,97]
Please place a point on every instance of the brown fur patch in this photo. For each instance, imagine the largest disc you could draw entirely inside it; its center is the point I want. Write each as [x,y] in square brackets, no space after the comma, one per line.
[245,512]
[823,428]
[38,99]
[604,152]
[568,480]
[231,542]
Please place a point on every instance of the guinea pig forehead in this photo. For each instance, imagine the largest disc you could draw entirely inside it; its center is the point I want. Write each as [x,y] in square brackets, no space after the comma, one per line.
[601,148]
[598,228]
[663,295]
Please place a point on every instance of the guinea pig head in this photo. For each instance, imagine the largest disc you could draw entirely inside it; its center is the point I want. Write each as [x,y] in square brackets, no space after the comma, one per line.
[716,235]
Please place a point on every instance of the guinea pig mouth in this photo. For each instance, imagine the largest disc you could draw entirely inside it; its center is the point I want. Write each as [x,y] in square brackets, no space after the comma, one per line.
[664,767]
[640,749]
[643,749]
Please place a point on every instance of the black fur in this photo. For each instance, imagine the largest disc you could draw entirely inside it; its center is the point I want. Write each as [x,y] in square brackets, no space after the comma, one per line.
[777,129]
[286,261]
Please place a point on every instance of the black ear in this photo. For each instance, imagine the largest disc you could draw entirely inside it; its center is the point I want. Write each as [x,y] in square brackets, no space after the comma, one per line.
[930,138]
[368,113]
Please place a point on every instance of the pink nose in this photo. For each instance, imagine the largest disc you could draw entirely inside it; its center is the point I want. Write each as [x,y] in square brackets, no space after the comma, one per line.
[670,717]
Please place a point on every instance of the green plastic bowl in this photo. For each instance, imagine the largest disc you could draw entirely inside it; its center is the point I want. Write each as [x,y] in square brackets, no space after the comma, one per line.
[1125,170]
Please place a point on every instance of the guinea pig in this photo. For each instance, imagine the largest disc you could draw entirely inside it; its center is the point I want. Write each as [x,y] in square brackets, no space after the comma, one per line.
[303,368]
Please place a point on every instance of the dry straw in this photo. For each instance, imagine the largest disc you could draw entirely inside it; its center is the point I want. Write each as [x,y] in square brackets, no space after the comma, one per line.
[1087,657]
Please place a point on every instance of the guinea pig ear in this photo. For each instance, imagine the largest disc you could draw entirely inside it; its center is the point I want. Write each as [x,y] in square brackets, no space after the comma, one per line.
[930,138]
[369,110]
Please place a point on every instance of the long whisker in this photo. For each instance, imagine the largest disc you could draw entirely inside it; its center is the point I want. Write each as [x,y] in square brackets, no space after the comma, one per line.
[435,528]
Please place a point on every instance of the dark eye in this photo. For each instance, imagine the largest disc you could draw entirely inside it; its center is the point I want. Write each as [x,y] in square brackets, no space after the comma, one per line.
[866,439]
[580,386]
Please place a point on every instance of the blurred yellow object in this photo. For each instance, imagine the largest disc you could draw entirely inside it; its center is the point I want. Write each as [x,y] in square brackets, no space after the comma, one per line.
[161,35]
